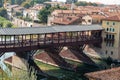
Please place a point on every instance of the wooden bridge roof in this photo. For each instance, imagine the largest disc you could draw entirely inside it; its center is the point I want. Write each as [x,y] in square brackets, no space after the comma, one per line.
[53,29]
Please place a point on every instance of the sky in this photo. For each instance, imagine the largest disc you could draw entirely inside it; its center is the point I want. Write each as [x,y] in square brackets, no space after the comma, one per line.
[101,1]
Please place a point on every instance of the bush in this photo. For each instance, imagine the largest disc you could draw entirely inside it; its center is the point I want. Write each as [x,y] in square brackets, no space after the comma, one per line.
[109,60]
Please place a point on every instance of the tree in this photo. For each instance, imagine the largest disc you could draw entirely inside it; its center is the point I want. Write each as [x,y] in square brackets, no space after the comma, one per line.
[26,5]
[1,24]
[3,12]
[9,25]
[22,75]
[1,3]
[12,2]
[19,1]
[41,1]
[84,3]
[5,23]
[43,14]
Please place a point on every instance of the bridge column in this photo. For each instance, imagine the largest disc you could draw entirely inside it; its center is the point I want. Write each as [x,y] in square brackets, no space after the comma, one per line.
[77,50]
[53,52]
[24,61]
[4,56]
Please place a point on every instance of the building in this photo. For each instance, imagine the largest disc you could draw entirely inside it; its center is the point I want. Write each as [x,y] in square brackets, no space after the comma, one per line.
[97,18]
[110,74]
[67,17]
[54,3]
[69,20]
[71,1]
[32,12]
[111,37]
[86,20]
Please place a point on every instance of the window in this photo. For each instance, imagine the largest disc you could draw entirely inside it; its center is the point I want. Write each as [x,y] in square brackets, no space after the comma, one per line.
[107,36]
[106,52]
[89,20]
[113,23]
[112,44]
[110,29]
[106,43]
[107,23]
[111,52]
[113,29]
[112,36]
[107,29]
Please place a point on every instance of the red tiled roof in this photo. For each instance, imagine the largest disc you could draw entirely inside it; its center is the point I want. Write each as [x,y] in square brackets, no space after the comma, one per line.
[113,18]
[65,20]
[110,74]
[95,16]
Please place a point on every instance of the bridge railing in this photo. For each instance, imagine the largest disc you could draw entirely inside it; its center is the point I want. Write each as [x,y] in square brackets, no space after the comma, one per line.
[47,41]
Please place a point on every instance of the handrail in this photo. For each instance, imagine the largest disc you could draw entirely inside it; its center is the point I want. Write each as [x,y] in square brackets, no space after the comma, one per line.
[27,42]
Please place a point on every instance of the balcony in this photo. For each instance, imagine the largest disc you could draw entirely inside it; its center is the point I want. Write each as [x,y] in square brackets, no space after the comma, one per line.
[110,40]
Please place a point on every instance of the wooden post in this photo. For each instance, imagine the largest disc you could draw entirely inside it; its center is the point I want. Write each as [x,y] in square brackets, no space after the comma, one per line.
[70,36]
[22,41]
[25,40]
[58,38]
[77,36]
[14,40]
[38,40]
[64,37]
[45,39]
[30,40]
[18,40]
[5,41]
[52,37]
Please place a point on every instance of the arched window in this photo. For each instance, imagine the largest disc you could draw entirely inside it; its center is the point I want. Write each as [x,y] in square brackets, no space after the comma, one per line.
[112,36]
[111,52]
[109,37]
[113,29]
[113,23]
[106,51]
[107,29]
[110,29]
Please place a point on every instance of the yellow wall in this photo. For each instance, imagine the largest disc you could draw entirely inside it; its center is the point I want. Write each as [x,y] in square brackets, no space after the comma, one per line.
[116,32]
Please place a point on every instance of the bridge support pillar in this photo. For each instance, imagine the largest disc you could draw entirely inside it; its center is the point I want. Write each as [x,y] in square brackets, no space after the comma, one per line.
[24,61]
[77,50]
[53,52]
[19,66]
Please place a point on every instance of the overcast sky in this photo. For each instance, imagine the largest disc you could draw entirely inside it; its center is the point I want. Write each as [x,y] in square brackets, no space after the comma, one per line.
[101,1]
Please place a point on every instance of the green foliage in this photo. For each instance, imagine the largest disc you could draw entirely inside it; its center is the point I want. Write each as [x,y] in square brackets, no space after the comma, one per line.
[84,3]
[9,25]
[32,2]
[43,14]
[40,1]
[70,1]
[19,1]
[18,14]
[109,60]
[21,75]
[5,23]
[1,3]
[27,19]
[26,5]
[3,12]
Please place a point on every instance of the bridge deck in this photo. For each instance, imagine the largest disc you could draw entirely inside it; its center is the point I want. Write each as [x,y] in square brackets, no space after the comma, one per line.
[15,39]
